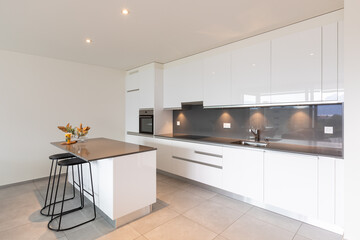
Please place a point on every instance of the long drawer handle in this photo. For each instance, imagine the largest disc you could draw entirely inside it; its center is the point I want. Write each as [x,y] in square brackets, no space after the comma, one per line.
[192,161]
[209,154]
[133,90]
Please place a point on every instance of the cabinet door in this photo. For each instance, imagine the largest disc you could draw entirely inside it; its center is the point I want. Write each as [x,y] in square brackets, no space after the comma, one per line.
[163,157]
[341,61]
[339,192]
[146,83]
[243,172]
[330,62]
[191,80]
[172,84]
[217,80]
[296,67]
[327,190]
[132,111]
[132,80]
[250,74]
[290,182]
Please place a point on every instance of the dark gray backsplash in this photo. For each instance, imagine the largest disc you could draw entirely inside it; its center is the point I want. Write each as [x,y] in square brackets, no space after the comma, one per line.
[286,123]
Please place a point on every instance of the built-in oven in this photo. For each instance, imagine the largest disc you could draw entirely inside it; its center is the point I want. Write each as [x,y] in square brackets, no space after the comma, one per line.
[146,121]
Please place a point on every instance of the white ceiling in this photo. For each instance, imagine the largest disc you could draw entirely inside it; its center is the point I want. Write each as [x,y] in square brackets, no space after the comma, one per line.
[157,30]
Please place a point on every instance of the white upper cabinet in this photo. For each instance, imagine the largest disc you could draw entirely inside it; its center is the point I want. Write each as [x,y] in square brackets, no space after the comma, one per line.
[147,83]
[250,70]
[217,80]
[341,61]
[330,62]
[172,84]
[133,80]
[132,111]
[142,80]
[296,67]
[183,83]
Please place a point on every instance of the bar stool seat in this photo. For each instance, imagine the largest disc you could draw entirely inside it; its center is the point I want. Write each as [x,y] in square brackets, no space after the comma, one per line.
[56,158]
[61,156]
[71,163]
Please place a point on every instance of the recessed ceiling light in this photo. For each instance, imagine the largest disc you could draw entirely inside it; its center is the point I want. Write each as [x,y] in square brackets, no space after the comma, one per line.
[125,11]
[88,40]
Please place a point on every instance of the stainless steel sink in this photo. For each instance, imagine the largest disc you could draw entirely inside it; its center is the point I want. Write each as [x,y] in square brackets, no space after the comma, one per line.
[251,143]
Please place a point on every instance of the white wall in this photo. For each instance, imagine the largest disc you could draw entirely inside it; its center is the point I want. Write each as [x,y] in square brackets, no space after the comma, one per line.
[37,94]
[352,118]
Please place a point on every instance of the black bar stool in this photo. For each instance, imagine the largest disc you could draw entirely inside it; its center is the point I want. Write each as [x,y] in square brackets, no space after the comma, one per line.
[56,158]
[67,163]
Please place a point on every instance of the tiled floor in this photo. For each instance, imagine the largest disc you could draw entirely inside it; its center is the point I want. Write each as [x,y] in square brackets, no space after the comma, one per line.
[183,212]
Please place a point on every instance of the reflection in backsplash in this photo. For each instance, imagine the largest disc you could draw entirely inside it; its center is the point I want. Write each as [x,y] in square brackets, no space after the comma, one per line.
[288,124]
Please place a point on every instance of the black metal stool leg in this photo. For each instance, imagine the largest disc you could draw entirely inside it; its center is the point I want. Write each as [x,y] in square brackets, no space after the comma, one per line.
[57,188]
[92,190]
[47,190]
[52,188]
[62,204]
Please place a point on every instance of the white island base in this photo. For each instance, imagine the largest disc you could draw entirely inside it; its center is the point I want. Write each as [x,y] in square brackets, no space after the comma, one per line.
[124,186]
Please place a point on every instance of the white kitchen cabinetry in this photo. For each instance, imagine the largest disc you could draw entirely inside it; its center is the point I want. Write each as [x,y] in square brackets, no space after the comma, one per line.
[250,74]
[217,79]
[163,157]
[341,61]
[147,83]
[201,163]
[326,190]
[132,111]
[183,83]
[330,62]
[339,192]
[140,90]
[132,102]
[296,67]
[243,172]
[290,182]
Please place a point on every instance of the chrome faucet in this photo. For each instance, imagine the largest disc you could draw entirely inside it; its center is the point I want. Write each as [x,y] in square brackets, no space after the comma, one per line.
[256,133]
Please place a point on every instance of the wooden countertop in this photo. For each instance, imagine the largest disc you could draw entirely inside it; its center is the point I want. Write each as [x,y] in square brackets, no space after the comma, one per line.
[101,148]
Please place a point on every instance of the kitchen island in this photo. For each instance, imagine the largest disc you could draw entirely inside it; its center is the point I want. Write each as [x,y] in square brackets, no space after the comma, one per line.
[124,177]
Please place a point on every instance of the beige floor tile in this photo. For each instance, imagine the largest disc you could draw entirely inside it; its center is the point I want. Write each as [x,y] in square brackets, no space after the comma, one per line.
[163,188]
[298,237]
[124,233]
[16,190]
[231,203]
[219,237]
[177,183]
[31,231]
[162,177]
[17,216]
[274,218]
[141,238]
[153,220]
[181,201]
[201,192]
[180,228]
[213,216]
[252,228]
[315,233]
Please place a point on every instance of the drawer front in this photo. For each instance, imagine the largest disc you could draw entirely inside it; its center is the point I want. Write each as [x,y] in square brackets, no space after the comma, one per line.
[207,154]
[198,172]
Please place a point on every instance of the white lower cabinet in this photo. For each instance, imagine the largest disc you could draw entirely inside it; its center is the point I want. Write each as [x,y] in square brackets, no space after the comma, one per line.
[326,190]
[163,157]
[290,182]
[243,172]
[198,162]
